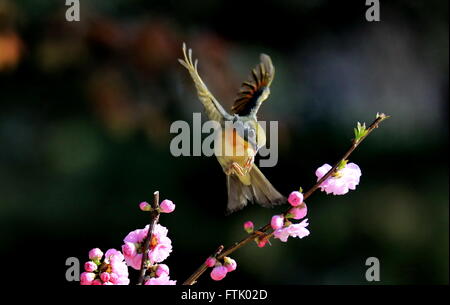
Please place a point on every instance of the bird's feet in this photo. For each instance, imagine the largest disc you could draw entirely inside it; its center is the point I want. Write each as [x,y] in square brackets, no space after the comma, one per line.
[237,169]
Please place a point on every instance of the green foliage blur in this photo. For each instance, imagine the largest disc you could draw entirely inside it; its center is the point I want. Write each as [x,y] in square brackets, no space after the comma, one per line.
[86,109]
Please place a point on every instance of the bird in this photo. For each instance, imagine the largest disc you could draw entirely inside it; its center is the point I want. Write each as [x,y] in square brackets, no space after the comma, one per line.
[239,131]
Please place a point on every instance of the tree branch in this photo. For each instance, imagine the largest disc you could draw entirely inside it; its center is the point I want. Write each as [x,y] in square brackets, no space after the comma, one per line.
[154,217]
[193,278]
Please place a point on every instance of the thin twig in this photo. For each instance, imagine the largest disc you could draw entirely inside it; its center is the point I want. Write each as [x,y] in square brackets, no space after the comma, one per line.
[192,279]
[154,217]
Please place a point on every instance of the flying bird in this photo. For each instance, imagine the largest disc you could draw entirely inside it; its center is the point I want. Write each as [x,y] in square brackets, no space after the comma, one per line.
[240,141]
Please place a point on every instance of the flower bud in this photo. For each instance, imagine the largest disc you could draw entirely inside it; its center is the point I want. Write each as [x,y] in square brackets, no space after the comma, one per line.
[299,212]
[167,206]
[229,263]
[145,206]
[218,273]
[210,261]
[295,198]
[87,278]
[113,278]
[262,243]
[95,254]
[105,276]
[90,266]
[277,222]
[162,269]
[248,226]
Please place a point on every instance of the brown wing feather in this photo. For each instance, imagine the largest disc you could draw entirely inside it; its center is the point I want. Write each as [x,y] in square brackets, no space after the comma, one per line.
[213,108]
[261,77]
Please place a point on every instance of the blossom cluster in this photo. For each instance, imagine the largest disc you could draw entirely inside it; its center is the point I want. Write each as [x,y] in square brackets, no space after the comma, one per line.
[220,270]
[283,228]
[159,249]
[113,269]
[344,178]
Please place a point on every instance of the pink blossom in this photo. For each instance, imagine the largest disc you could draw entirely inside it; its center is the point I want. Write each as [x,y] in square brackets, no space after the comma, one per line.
[159,250]
[134,261]
[299,212]
[295,198]
[277,222]
[294,230]
[86,278]
[145,206]
[342,181]
[167,206]
[210,261]
[230,264]
[162,269]
[116,265]
[113,255]
[97,282]
[105,276]
[129,249]
[248,226]
[218,273]
[164,279]
[90,266]
[95,254]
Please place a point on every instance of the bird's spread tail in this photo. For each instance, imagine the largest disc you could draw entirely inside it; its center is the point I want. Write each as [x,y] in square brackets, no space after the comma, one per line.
[259,191]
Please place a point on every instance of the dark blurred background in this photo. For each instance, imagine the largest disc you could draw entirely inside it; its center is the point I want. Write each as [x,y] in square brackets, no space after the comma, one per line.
[86,109]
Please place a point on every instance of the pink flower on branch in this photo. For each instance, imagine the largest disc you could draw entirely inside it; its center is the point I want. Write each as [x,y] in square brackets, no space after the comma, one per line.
[294,230]
[159,250]
[340,182]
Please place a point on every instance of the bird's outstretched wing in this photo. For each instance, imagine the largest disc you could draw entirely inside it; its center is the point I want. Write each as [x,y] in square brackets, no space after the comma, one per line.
[251,90]
[213,109]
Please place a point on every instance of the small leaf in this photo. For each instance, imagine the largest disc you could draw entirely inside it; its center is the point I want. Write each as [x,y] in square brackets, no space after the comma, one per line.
[360,131]
[342,164]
